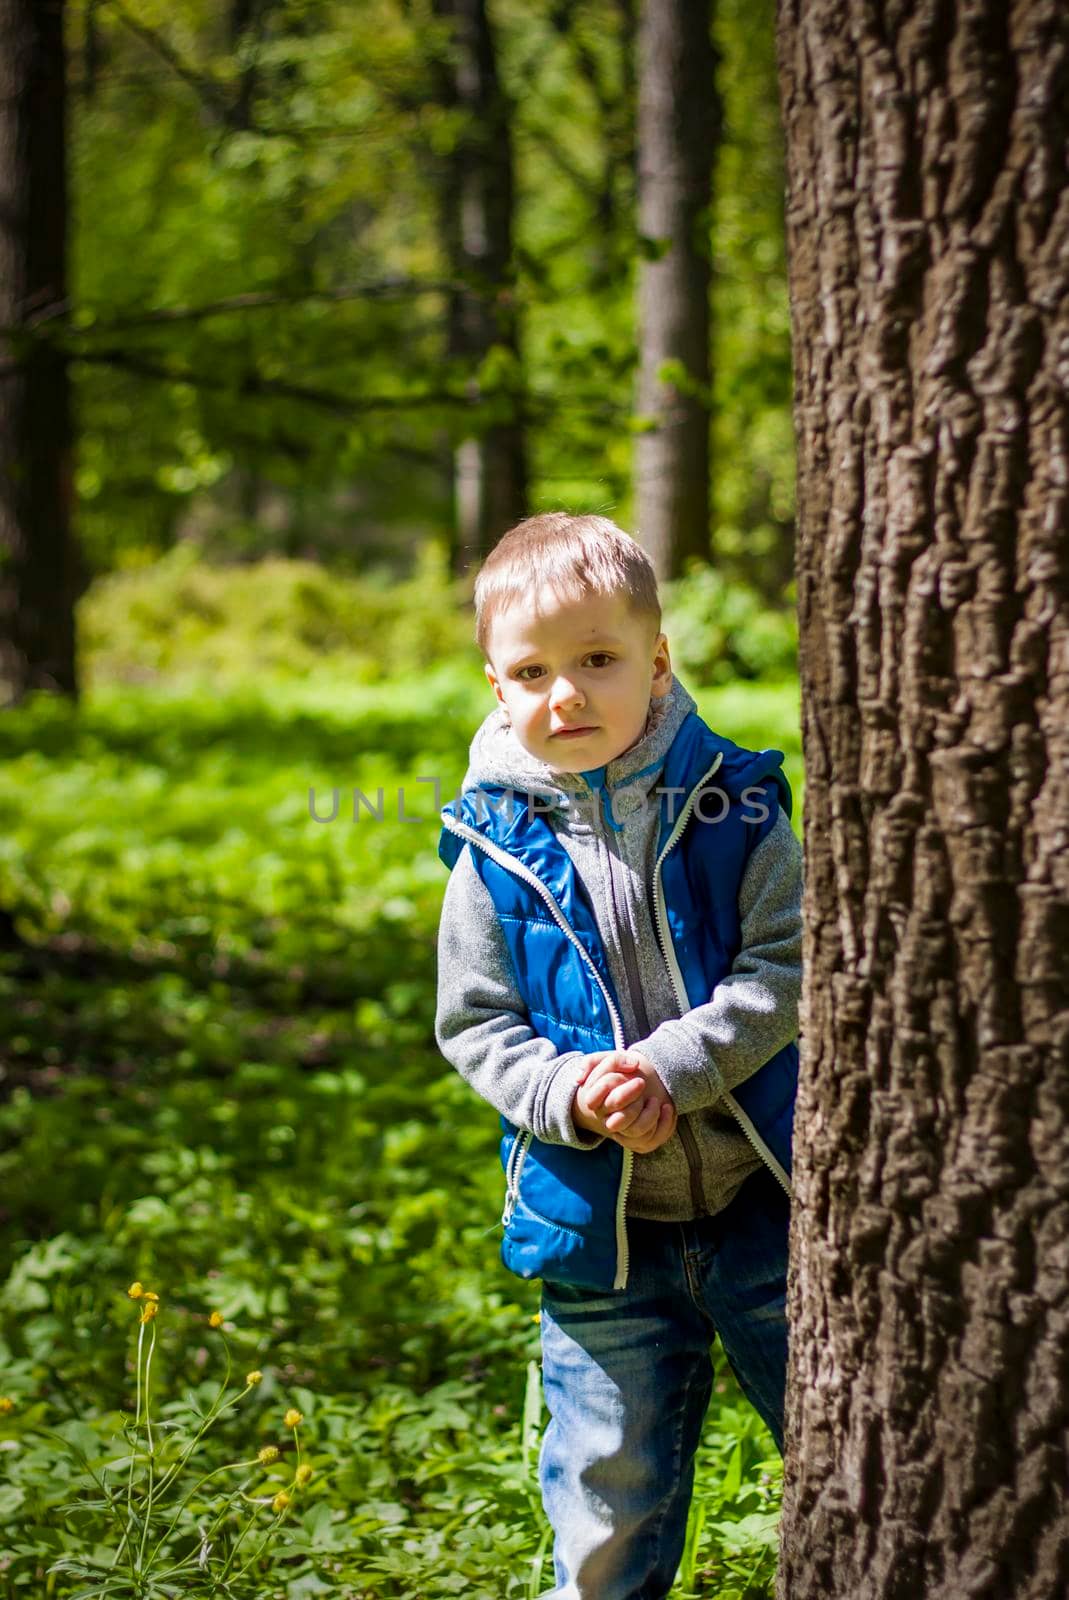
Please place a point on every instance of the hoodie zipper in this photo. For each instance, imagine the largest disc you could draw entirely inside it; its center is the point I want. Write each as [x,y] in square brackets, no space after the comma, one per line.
[638,1006]
[510,864]
[659,916]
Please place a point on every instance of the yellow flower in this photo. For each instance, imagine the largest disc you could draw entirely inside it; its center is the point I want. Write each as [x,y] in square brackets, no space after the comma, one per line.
[268,1454]
[252,1378]
[150,1311]
[537,1317]
[293,1418]
[149,1295]
[135,1291]
[6,1403]
[302,1475]
[215,1320]
[280,1502]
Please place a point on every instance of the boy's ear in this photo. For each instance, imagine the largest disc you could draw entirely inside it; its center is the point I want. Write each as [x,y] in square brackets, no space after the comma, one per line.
[662,668]
[491,678]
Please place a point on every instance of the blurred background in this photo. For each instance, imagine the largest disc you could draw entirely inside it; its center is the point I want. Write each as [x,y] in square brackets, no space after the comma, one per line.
[302,303]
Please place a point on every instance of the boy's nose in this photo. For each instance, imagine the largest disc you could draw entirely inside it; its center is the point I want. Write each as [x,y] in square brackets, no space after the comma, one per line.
[565,693]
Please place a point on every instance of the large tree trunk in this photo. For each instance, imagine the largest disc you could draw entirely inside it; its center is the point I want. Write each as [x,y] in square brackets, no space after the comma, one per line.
[490,467]
[928,230]
[678,131]
[37,568]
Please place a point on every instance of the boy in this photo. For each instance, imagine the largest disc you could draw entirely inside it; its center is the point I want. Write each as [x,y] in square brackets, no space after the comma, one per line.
[619,971]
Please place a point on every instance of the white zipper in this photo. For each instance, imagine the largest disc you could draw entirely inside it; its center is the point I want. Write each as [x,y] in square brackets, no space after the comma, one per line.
[502,857]
[623,1251]
[514,1156]
[667,948]
[676,977]
[517,1155]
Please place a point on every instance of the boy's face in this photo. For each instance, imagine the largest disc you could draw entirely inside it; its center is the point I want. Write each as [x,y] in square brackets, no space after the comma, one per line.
[576,676]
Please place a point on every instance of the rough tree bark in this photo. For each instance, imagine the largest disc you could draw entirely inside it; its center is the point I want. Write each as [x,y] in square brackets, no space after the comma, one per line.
[928,230]
[37,560]
[679,122]
[477,201]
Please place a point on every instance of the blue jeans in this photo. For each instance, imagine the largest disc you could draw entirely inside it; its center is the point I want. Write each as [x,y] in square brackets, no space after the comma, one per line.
[627,1379]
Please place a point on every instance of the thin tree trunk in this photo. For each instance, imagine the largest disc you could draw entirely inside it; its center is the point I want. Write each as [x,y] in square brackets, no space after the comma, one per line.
[37,562]
[490,467]
[928,231]
[679,122]
[245,25]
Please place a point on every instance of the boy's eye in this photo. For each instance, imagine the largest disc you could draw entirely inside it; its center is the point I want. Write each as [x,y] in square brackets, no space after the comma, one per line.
[596,658]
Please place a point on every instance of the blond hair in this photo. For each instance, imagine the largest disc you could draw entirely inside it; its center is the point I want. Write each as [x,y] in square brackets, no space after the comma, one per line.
[574,556]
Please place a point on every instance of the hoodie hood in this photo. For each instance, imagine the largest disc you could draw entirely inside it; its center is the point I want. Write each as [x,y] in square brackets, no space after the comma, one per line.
[497,756]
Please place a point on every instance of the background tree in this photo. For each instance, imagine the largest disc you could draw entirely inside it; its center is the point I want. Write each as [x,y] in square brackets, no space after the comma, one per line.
[752,470]
[476,199]
[928,225]
[678,131]
[37,565]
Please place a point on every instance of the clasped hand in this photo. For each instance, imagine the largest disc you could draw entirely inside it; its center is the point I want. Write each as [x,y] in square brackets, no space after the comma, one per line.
[620,1095]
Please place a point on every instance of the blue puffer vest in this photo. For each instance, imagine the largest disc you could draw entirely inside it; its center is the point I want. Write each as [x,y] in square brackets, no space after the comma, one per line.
[565,1208]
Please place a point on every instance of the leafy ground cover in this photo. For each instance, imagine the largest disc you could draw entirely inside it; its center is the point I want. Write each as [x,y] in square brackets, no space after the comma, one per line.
[219,1080]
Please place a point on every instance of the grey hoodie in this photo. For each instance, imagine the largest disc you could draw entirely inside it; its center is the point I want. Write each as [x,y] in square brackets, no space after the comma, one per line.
[482,1027]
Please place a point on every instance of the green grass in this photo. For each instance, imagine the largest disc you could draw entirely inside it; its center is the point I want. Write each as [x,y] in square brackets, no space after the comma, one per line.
[219,1078]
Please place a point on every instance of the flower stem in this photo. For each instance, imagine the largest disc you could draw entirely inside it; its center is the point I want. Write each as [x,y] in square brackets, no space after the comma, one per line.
[265,1541]
[229,1466]
[215,1410]
[133,1460]
[148,1364]
[236,1546]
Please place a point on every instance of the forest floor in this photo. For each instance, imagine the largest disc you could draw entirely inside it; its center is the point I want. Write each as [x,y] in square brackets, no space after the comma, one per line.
[219,1080]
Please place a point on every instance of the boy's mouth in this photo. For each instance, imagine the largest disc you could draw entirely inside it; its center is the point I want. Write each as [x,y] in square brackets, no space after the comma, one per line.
[569,733]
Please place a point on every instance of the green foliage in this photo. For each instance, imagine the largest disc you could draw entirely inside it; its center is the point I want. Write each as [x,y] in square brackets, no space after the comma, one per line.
[186,197]
[303,164]
[220,1079]
[721,630]
[181,615]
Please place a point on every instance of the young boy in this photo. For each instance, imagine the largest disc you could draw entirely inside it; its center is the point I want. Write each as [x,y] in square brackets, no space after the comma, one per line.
[619,972]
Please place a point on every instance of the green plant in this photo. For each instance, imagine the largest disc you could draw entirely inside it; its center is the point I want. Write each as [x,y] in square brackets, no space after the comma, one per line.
[168,1532]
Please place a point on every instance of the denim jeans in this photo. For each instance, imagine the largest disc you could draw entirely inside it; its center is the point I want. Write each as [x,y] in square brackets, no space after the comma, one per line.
[627,1379]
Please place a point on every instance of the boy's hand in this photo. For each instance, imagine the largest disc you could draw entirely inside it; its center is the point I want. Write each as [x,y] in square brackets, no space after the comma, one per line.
[621,1096]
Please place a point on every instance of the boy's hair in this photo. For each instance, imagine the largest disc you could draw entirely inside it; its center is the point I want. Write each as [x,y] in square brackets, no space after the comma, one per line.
[575,556]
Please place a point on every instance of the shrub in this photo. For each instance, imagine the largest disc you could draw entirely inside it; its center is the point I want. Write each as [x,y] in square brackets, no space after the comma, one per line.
[718,631]
[285,618]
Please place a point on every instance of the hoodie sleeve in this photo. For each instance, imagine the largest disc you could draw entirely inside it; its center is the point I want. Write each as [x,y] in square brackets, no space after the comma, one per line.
[753,1011]
[482,1025]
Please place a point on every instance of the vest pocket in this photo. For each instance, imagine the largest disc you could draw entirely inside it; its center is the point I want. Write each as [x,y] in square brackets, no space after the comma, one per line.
[545,1222]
